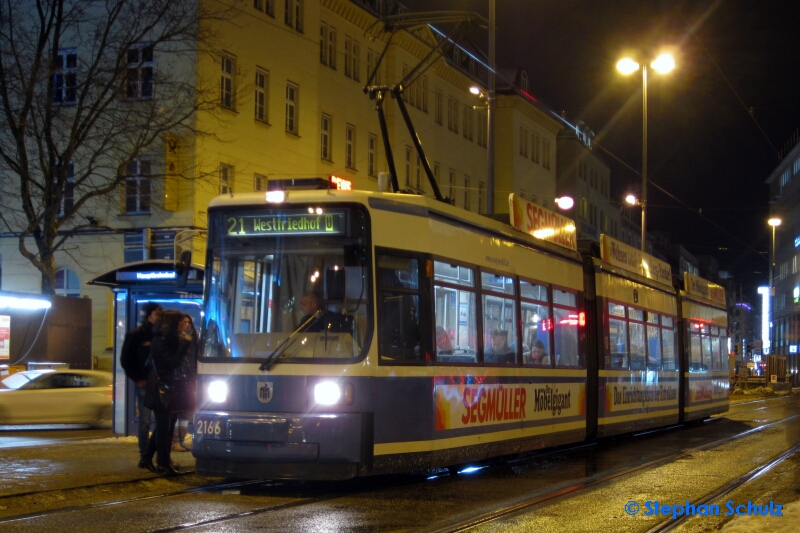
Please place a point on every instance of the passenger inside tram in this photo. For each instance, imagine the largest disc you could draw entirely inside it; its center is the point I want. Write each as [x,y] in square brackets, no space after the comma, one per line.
[498,350]
[444,345]
[538,354]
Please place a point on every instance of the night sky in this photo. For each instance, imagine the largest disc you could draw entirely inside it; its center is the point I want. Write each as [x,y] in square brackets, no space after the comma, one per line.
[717,123]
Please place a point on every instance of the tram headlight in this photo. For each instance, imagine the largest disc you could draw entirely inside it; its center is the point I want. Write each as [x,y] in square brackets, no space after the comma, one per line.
[217,391]
[332,393]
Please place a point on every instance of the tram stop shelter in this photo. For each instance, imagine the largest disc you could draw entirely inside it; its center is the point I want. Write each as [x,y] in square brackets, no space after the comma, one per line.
[134,285]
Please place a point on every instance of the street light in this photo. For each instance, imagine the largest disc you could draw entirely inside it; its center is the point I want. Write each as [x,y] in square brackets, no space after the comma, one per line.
[662,64]
[774,222]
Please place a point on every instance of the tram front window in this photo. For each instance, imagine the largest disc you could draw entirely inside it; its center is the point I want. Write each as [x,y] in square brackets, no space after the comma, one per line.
[293,282]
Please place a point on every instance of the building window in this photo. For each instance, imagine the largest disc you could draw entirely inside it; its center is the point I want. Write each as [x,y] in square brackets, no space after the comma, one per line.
[545,153]
[356,60]
[348,44]
[424,97]
[67,283]
[140,72]
[409,152]
[293,14]
[467,122]
[350,146]
[418,174]
[137,187]
[372,65]
[482,130]
[535,147]
[292,102]
[65,77]
[225,178]
[323,43]
[481,195]
[372,145]
[258,182]
[450,112]
[325,137]
[68,197]
[467,203]
[262,77]
[523,141]
[584,209]
[437,107]
[332,47]
[226,86]
[267,6]
[455,116]
[451,182]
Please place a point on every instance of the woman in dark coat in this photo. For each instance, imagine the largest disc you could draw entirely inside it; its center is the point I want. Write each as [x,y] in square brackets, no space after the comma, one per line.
[167,352]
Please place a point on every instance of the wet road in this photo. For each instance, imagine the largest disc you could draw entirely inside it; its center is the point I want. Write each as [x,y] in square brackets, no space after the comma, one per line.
[581,489]
[21,436]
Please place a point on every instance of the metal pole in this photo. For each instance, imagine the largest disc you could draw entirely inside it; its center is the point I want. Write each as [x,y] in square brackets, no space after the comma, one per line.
[644,158]
[772,296]
[490,113]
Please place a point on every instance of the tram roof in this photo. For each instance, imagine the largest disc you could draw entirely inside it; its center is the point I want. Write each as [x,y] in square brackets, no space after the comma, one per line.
[375,200]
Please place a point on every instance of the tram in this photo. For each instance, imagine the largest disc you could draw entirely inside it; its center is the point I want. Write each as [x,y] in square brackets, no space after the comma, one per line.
[439,337]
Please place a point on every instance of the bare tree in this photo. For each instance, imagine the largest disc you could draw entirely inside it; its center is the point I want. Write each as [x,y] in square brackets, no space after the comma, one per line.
[86,88]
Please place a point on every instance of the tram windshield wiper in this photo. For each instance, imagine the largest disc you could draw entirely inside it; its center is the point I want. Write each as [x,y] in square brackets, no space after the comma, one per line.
[288,341]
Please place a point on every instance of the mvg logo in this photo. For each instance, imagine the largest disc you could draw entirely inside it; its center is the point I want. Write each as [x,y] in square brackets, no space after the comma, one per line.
[264,391]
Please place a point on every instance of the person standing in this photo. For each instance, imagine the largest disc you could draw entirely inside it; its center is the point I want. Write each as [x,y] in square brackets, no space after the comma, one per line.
[167,355]
[134,360]
[187,332]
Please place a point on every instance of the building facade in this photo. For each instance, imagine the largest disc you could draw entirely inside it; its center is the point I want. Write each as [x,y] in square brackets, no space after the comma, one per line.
[784,193]
[287,79]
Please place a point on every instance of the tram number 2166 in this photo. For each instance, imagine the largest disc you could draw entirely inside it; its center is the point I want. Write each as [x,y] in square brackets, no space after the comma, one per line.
[208,427]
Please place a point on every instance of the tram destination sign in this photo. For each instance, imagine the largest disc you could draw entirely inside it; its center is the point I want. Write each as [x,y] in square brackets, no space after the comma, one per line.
[286,223]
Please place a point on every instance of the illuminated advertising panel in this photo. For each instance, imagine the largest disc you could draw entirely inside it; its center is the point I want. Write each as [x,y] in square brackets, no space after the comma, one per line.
[541,223]
[5,337]
[627,257]
[697,286]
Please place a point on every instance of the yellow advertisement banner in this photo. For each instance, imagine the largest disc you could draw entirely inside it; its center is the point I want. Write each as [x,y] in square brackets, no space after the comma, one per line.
[462,406]
[541,223]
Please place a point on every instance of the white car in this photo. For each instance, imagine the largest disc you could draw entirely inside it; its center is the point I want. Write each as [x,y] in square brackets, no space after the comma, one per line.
[63,396]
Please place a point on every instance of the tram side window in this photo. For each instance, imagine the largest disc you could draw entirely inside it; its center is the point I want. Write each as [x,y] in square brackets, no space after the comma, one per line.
[566,321]
[398,308]
[653,342]
[636,336]
[618,336]
[695,353]
[536,324]
[706,342]
[668,343]
[455,311]
[716,362]
[499,319]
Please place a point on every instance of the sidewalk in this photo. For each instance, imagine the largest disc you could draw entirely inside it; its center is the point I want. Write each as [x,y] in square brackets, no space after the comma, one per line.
[63,465]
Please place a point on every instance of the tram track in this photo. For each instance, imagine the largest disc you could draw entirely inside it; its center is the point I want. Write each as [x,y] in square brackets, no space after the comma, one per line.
[583,486]
[361,487]
[728,488]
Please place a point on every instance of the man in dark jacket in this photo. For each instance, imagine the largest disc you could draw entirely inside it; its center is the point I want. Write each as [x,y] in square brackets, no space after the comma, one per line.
[135,361]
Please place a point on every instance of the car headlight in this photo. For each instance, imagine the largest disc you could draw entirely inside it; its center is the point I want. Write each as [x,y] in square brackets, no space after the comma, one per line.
[217,391]
[331,393]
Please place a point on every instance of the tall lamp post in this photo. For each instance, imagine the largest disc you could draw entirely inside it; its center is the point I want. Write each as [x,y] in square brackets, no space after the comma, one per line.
[490,111]
[662,64]
[774,222]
